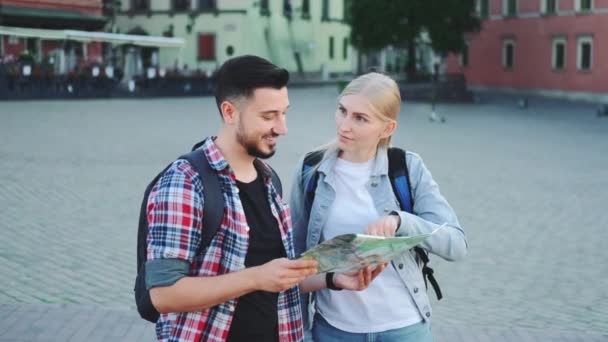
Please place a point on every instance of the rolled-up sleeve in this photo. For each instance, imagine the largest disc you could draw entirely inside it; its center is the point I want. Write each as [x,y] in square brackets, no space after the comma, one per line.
[175,224]
[431,211]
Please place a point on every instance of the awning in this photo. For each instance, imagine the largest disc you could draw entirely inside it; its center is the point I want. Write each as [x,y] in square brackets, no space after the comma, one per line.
[88,36]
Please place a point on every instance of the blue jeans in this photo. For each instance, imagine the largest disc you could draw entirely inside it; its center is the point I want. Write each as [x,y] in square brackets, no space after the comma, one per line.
[324,332]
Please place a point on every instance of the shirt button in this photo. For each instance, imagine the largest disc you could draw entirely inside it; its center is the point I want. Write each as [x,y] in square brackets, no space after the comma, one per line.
[415,290]
[428,314]
[400,266]
[246,228]
[374,184]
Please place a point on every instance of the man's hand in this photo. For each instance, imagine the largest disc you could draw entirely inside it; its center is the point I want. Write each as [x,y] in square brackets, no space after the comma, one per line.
[384,226]
[357,280]
[281,274]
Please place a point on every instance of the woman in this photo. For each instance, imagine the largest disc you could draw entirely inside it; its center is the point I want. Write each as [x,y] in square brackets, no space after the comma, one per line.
[353,194]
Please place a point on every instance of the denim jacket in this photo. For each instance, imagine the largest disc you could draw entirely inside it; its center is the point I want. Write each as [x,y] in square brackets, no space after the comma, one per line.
[430,207]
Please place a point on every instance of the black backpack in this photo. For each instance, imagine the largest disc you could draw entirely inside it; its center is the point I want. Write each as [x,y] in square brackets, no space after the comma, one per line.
[400,181]
[213,212]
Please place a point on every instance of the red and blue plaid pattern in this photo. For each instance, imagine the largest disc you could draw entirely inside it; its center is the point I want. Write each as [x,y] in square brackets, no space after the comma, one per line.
[175,209]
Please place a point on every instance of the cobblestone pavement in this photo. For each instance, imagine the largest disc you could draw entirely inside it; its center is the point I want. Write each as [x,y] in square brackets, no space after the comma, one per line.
[530,188]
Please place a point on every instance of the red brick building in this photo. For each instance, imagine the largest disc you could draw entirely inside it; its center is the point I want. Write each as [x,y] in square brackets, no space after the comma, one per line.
[51,14]
[549,47]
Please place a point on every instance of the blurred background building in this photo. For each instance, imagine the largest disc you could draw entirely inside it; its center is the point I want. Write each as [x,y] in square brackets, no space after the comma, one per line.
[546,47]
[56,54]
[301,35]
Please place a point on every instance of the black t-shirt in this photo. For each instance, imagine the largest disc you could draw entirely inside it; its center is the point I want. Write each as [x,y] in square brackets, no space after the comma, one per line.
[255,317]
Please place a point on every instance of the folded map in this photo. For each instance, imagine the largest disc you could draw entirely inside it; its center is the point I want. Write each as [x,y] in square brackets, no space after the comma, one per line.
[350,252]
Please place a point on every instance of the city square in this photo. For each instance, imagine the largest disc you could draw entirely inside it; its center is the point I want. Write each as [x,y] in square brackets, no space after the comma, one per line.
[529,187]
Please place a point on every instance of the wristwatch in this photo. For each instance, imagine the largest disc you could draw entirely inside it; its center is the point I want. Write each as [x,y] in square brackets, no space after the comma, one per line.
[329,282]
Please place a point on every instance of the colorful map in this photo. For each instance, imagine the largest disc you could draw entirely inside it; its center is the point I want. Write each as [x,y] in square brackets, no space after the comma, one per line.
[350,252]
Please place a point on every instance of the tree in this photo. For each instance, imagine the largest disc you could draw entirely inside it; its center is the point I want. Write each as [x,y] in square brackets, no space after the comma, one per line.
[376,24]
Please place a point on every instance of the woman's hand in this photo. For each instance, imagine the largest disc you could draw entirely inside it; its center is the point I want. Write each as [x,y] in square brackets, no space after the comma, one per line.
[357,280]
[384,226]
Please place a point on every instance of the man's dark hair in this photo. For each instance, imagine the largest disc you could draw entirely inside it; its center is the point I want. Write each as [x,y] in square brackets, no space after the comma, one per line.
[240,76]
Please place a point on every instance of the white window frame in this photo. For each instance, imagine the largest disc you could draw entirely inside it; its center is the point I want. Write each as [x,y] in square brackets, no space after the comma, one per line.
[578,8]
[478,8]
[506,42]
[544,6]
[579,52]
[505,8]
[556,41]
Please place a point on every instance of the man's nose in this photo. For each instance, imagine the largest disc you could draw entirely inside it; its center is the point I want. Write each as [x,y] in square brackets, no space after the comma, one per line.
[281,126]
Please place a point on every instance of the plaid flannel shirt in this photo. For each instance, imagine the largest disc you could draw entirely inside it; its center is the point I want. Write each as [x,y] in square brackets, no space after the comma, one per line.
[175,209]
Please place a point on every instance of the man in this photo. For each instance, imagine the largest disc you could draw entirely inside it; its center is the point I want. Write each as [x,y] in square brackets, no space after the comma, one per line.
[243,287]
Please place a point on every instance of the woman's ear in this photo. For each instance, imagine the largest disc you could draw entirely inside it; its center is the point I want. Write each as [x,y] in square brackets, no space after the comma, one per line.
[388,129]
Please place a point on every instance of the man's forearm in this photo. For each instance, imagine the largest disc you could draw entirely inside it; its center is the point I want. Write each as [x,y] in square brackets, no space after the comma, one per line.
[199,293]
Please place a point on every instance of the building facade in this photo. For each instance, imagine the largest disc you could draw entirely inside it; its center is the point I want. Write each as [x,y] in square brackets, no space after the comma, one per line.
[52,14]
[301,35]
[547,47]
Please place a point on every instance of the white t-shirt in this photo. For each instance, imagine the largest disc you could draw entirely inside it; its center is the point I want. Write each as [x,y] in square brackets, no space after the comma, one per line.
[385,304]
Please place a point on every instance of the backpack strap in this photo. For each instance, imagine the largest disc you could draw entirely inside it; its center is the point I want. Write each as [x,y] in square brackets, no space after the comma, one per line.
[276,181]
[311,160]
[400,178]
[213,201]
[400,181]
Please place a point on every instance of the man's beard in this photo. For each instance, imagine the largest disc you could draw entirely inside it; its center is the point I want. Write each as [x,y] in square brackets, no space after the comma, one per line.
[251,144]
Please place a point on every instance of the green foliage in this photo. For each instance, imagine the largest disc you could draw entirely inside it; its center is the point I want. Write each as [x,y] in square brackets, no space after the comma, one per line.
[378,23]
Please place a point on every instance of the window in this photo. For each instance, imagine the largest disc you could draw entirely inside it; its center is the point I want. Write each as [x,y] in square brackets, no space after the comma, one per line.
[331,47]
[345,49]
[206,47]
[140,5]
[325,10]
[207,5]
[584,59]
[549,6]
[559,54]
[509,8]
[264,7]
[483,8]
[287,9]
[180,5]
[584,5]
[464,56]
[306,9]
[508,53]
